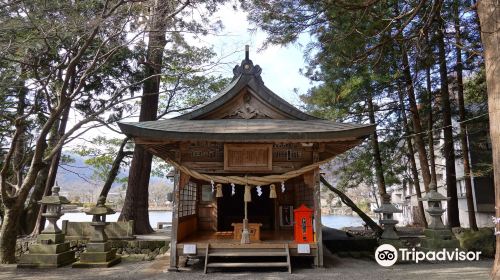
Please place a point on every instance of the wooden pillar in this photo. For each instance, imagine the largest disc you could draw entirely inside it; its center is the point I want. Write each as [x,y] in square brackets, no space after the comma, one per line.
[276,214]
[317,217]
[175,223]
[317,207]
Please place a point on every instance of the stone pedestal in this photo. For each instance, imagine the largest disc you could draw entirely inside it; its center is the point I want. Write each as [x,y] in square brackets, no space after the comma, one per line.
[387,209]
[50,251]
[437,239]
[437,236]
[99,252]
[98,255]
[389,232]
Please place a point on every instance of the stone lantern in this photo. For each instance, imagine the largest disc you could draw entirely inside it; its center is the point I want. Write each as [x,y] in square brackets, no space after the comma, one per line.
[387,209]
[53,205]
[50,249]
[99,213]
[437,235]
[435,208]
[99,252]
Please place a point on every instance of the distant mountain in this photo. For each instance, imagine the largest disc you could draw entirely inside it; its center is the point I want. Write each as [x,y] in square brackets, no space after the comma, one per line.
[76,177]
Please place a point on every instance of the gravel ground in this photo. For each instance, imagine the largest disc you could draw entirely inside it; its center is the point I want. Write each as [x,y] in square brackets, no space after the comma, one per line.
[335,268]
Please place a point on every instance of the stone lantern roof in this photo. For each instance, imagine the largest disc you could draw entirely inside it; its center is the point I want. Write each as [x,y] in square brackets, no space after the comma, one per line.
[433,195]
[55,198]
[100,208]
[387,207]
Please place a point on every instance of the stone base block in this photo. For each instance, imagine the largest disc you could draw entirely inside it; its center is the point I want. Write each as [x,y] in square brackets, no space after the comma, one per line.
[394,242]
[438,233]
[96,257]
[32,260]
[109,263]
[49,248]
[98,247]
[429,244]
[50,238]
[437,239]
[389,234]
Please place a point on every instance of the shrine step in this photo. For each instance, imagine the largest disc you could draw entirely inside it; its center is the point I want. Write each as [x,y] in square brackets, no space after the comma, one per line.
[239,253]
[242,257]
[248,264]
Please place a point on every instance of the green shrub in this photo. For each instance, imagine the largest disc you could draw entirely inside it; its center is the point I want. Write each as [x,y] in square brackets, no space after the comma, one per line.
[482,240]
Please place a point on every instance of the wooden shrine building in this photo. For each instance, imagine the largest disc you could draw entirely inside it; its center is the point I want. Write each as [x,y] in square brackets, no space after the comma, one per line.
[246,153]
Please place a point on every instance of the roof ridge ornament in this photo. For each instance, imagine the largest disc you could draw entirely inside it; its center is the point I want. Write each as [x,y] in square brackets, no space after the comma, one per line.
[246,67]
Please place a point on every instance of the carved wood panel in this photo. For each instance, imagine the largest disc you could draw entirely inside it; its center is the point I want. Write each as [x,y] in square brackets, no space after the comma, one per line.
[248,157]
[247,105]
[284,152]
[202,152]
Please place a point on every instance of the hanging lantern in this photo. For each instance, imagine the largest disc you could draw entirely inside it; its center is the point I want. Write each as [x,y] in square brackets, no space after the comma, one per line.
[272,191]
[248,195]
[219,190]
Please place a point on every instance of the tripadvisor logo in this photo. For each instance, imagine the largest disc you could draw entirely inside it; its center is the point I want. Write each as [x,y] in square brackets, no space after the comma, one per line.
[387,255]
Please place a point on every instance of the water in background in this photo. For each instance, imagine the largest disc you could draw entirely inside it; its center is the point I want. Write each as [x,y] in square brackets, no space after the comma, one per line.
[333,221]
[341,221]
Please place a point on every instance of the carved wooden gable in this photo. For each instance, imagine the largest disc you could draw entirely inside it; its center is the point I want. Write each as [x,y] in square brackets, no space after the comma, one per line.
[247,105]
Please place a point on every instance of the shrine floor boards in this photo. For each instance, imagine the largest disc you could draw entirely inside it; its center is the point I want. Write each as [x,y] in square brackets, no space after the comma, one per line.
[270,240]
[267,236]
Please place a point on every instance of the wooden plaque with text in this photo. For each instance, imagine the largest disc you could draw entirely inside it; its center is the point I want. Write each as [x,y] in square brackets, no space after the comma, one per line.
[248,157]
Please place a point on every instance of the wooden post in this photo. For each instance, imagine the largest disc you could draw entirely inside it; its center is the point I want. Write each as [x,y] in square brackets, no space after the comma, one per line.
[317,217]
[276,215]
[175,223]
[489,13]
[317,208]
[245,235]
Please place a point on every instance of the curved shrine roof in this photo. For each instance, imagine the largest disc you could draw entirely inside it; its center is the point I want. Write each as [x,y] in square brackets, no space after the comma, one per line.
[246,130]
[258,115]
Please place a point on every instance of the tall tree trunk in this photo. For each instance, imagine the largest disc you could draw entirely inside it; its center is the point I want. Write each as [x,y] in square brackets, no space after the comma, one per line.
[30,212]
[374,193]
[448,149]
[8,232]
[489,15]
[349,203]
[136,202]
[19,155]
[462,115]
[415,115]
[39,223]
[379,172]
[430,123]
[115,168]
[411,157]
